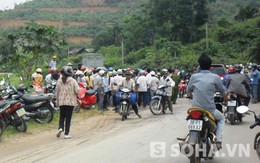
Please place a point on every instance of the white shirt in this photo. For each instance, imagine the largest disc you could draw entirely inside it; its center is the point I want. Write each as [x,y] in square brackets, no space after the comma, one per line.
[142,81]
[48,80]
[168,82]
[116,82]
[154,83]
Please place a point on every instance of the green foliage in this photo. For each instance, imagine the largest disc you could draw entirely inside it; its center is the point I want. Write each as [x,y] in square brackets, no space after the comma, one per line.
[31,43]
[112,56]
[247,13]
[51,4]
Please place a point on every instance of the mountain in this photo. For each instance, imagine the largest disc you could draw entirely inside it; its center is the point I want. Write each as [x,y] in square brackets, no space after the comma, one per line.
[80,20]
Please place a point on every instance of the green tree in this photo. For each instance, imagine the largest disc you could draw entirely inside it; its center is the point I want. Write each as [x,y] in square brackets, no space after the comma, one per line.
[36,40]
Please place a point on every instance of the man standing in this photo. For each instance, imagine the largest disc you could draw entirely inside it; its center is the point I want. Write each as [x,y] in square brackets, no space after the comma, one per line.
[53,62]
[142,85]
[203,85]
[176,78]
[167,80]
[254,83]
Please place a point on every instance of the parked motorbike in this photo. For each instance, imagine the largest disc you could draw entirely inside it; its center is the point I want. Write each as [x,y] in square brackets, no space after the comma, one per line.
[244,109]
[37,107]
[86,97]
[50,90]
[11,113]
[125,98]
[156,106]
[182,88]
[233,103]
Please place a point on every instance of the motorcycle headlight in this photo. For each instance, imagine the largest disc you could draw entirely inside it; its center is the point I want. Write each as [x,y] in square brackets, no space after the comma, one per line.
[124,95]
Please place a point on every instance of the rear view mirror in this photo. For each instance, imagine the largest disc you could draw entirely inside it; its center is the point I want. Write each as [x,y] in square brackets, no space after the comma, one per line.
[242,109]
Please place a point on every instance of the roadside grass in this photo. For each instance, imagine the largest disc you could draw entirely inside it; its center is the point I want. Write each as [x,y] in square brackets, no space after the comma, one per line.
[34,127]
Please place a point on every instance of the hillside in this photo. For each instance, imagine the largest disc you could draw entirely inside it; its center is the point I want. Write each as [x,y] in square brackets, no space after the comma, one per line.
[80,20]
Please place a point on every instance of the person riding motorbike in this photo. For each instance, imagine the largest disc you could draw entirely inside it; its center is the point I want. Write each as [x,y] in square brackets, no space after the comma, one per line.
[203,85]
[239,84]
[129,83]
[230,71]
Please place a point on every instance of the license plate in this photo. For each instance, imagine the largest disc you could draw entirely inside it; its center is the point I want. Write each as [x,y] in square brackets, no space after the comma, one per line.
[21,112]
[195,124]
[232,103]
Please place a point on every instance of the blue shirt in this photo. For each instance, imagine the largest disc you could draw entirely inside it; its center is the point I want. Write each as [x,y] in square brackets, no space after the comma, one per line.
[254,76]
[204,85]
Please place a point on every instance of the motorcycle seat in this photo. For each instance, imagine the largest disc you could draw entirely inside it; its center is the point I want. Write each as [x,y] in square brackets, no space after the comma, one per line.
[34,98]
[90,92]
[205,112]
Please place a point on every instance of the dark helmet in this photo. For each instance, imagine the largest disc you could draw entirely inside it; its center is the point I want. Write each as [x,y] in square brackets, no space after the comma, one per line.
[66,71]
[237,68]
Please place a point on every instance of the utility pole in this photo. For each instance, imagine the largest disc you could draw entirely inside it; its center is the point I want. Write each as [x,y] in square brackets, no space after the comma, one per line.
[207,35]
[122,50]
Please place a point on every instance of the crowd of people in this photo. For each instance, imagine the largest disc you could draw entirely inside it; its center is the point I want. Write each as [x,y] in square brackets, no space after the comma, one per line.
[243,80]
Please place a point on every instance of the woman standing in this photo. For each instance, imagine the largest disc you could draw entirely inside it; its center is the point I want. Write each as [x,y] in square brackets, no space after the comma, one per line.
[67,90]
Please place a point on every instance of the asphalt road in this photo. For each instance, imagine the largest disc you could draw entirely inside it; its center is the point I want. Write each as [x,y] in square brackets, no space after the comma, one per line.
[150,139]
[153,139]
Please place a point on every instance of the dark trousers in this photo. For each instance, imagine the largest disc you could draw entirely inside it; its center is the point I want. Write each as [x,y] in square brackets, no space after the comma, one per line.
[134,107]
[169,102]
[65,117]
[142,98]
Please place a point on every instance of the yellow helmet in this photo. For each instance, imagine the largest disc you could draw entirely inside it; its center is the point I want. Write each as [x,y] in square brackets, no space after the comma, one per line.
[54,57]
[39,70]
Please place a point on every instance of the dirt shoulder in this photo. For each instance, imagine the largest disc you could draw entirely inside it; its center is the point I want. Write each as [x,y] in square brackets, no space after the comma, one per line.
[21,146]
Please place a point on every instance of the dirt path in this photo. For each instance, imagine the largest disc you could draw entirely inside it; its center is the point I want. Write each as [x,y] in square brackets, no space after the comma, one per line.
[24,147]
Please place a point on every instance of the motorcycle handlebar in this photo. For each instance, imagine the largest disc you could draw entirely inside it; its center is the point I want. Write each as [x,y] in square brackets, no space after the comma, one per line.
[255,124]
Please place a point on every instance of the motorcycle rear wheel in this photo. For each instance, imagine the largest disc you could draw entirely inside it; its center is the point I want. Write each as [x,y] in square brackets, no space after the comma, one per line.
[231,118]
[193,158]
[48,115]
[154,108]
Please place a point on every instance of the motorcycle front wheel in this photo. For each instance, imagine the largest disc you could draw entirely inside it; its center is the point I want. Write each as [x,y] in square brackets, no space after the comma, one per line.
[45,115]
[76,108]
[2,128]
[156,106]
[123,111]
[19,124]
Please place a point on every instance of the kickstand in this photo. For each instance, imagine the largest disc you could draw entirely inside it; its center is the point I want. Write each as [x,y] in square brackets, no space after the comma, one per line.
[183,139]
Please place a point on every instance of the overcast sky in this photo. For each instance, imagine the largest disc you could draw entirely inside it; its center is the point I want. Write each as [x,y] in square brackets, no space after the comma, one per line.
[9,4]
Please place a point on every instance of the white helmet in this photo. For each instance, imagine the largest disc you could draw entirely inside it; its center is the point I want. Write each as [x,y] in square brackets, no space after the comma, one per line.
[101,72]
[152,73]
[114,72]
[79,72]
[120,71]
